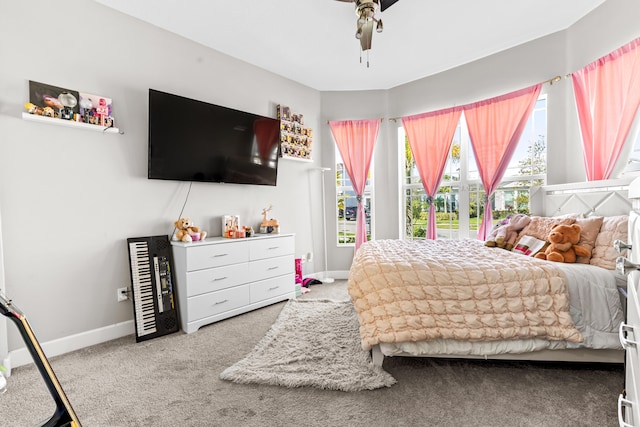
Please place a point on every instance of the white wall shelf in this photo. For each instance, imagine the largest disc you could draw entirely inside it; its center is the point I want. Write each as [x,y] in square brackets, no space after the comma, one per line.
[297,159]
[69,123]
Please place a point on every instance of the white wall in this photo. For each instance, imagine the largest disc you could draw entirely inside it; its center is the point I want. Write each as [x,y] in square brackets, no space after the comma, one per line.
[4,344]
[70,198]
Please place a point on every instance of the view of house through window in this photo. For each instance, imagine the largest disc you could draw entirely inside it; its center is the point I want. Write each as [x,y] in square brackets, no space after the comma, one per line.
[459,202]
[346,204]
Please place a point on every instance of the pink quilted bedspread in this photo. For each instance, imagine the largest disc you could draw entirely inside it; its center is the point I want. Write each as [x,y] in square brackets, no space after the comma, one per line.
[456,289]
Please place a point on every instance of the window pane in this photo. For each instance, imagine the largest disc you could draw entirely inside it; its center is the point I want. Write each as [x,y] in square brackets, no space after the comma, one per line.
[416,213]
[530,157]
[446,204]
[346,204]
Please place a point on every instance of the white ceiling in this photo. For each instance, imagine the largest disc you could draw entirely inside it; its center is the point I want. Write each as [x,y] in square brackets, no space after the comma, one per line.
[313,41]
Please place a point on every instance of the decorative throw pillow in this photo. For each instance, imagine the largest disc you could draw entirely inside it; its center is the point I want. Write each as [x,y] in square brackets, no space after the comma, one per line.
[540,226]
[613,228]
[590,230]
[529,246]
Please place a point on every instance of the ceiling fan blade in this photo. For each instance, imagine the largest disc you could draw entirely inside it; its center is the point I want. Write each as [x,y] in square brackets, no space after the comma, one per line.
[367,33]
[385,4]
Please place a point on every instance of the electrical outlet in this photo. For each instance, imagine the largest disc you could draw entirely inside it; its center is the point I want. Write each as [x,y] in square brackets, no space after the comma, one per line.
[309,256]
[121,294]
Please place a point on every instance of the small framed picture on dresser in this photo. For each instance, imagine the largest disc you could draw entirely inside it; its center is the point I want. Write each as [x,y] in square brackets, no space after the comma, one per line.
[230,223]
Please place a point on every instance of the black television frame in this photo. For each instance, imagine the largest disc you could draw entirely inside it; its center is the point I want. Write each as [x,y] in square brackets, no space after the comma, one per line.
[192,140]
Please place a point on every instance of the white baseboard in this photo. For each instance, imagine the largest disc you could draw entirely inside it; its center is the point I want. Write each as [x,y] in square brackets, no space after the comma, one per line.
[64,345]
[6,362]
[340,275]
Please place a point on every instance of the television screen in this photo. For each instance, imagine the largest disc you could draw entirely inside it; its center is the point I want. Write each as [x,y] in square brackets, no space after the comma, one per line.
[192,140]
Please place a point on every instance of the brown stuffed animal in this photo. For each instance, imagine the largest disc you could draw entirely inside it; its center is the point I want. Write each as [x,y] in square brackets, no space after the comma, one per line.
[187,232]
[563,247]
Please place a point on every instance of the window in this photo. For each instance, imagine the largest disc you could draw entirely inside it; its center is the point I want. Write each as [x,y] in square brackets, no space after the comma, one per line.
[346,204]
[459,202]
[633,162]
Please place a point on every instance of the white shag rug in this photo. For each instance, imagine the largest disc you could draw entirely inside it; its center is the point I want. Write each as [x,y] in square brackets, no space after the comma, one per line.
[313,343]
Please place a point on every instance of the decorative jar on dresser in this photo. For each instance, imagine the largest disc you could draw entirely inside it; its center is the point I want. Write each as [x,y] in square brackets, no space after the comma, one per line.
[219,277]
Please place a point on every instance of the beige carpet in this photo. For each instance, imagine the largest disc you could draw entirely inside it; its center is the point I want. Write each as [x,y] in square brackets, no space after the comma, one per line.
[312,343]
[174,381]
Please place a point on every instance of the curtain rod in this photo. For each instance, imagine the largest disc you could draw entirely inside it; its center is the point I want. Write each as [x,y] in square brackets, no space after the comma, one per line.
[381,118]
[550,81]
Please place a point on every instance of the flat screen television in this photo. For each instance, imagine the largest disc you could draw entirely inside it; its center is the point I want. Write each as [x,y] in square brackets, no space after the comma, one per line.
[191,140]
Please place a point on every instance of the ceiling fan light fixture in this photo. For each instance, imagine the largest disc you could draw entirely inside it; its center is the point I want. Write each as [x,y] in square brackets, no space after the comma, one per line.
[367,14]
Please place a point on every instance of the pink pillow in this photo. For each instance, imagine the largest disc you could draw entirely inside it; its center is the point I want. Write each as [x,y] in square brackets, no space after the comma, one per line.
[590,230]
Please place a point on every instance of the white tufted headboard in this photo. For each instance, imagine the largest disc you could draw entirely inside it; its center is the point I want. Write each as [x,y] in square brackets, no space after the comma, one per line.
[603,198]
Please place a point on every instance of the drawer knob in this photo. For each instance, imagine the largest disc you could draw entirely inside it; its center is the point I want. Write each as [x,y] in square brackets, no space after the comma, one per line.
[623,402]
[272,268]
[219,255]
[624,266]
[624,341]
[219,278]
[221,302]
[620,246]
[273,288]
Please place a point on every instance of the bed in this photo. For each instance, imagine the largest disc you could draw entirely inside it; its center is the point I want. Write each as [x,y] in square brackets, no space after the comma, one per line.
[459,298]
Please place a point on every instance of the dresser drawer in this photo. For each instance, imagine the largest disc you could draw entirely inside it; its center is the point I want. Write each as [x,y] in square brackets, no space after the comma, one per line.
[270,288]
[213,303]
[272,267]
[215,279]
[631,389]
[207,256]
[271,247]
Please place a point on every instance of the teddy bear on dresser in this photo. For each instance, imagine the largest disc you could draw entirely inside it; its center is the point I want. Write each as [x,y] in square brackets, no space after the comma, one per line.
[504,236]
[563,247]
[187,232]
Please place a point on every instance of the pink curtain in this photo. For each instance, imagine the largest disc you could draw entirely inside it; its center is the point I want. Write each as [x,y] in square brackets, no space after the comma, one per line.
[430,137]
[607,94]
[495,126]
[355,140]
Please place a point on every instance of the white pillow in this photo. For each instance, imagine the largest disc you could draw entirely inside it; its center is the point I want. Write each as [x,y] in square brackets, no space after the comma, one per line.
[613,228]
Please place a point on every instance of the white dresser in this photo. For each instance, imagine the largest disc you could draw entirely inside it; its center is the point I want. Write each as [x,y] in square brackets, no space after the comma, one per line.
[629,400]
[218,278]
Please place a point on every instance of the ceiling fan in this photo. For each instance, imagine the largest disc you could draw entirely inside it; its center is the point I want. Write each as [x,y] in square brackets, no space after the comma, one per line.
[366,11]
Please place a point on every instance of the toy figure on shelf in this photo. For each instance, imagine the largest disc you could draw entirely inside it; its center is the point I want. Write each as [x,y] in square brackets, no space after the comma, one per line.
[102,110]
[268,226]
[34,109]
[86,105]
[69,102]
